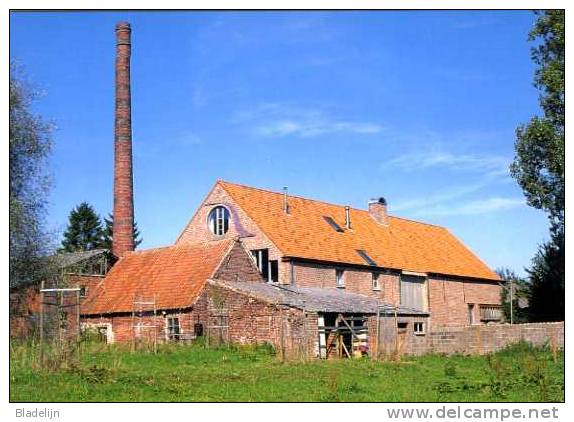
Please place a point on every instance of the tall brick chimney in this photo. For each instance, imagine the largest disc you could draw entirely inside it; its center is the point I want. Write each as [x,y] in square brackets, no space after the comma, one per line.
[123,235]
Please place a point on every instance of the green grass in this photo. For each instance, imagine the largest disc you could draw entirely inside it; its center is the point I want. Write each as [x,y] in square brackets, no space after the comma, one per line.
[195,373]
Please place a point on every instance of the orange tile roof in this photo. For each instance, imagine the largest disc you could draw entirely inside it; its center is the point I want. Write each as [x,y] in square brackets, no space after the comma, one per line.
[175,275]
[403,244]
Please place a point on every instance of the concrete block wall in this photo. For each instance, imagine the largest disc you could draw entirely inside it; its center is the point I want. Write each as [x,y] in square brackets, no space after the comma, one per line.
[482,339]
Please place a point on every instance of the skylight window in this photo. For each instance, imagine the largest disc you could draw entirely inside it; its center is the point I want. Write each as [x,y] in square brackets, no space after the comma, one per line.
[333,224]
[366,257]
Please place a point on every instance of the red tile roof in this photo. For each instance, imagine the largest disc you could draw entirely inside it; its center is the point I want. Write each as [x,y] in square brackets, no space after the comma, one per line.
[403,244]
[175,275]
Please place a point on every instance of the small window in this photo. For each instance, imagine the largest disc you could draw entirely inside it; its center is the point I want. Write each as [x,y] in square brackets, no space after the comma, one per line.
[83,291]
[173,328]
[339,277]
[366,257]
[402,327]
[273,271]
[333,224]
[419,328]
[376,281]
[218,220]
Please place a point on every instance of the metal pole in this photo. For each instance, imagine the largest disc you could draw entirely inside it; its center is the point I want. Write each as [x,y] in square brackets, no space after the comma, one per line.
[42,323]
[378,331]
[511,300]
[78,322]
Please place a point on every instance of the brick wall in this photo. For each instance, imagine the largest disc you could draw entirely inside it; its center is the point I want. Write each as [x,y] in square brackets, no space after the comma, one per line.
[356,280]
[255,321]
[481,339]
[475,339]
[449,299]
[238,266]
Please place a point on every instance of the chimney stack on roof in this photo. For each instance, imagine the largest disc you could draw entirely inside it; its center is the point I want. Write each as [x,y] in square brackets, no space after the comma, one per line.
[285,200]
[378,210]
[347,217]
[123,222]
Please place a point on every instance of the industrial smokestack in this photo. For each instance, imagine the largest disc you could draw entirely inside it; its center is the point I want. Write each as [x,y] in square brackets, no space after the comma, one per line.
[123,224]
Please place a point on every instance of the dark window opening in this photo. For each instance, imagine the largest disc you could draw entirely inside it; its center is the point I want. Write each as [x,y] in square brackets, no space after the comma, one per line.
[261,257]
[273,271]
[173,328]
[366,257]
[83,291]
[333,224]
[198,329]
[402,327]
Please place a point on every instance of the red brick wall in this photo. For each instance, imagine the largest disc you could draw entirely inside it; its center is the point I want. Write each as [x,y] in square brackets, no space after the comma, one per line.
[449,299]
[356,280]
[255,321]
[238,266]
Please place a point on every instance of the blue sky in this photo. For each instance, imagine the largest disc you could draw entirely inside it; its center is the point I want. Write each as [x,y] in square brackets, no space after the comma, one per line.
[418,107]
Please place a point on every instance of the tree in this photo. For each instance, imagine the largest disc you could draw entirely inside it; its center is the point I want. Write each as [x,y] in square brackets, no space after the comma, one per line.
[84,232]
[30,145]
[109,233]
[538,166]
[547,281]
[520,293]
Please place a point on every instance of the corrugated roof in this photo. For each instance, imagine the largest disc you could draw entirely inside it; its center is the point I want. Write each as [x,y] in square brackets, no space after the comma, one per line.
[173,275]
[402,244]
[315,299]
[68,259]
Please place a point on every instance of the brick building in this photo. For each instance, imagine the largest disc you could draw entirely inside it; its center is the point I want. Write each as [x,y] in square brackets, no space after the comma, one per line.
[306,243]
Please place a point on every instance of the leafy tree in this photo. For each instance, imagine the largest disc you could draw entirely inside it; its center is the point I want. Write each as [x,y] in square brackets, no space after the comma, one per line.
[547,277]
[539,162]
[520,293]
[109,233]
[30,145]
[84,230]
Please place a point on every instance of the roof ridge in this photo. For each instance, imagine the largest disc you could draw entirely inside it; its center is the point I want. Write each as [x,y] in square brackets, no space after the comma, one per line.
[225,182]
[199,245]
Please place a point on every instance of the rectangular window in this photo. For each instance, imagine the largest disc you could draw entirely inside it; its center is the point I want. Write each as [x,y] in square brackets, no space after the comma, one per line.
[261,257]
[419,328]
[402,327]
[376,281]
[273,271]
[83,291]
[340,278]
[173,328]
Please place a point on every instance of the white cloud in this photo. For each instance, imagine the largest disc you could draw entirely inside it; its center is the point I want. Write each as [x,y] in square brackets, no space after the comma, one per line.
[277,120]
[487,164]
[481,206]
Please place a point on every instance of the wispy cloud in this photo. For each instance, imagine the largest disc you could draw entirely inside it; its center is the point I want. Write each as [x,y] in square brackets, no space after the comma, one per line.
[278,120]
[474,207]
[482,163]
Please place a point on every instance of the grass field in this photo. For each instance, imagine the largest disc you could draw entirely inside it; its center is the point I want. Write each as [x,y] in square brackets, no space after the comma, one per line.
[196,373]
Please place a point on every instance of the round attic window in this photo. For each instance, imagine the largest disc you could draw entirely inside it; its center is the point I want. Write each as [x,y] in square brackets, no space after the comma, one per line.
[218,220]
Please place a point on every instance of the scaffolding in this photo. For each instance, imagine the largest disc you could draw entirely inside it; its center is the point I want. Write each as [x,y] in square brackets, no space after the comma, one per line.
[144,331]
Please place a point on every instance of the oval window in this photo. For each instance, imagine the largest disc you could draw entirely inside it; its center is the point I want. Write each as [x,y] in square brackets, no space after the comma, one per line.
[218,220]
